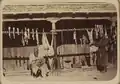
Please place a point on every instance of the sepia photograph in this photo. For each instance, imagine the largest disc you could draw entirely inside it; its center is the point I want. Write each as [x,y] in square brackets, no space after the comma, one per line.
[70,41]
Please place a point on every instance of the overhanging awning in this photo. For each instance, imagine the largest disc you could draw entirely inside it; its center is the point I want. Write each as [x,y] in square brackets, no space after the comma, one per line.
[66,7]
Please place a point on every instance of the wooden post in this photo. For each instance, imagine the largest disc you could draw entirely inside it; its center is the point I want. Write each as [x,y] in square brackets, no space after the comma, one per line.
[54,42]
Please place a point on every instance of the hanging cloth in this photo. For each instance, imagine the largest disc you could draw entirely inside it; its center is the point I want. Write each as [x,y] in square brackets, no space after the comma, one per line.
[9,32]
[13,32]
[90,34]
[37,38]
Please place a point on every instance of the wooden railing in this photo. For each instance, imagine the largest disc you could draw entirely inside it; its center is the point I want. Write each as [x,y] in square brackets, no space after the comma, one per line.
[22,60]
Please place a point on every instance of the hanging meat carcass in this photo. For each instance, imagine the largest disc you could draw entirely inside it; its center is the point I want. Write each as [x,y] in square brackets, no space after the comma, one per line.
[96,31]
[37,37]
[9,32]
[18,32]
[90,35]
[101,30]
[23,42]
[33,34]
[26,36]
[28,33]
[13,32]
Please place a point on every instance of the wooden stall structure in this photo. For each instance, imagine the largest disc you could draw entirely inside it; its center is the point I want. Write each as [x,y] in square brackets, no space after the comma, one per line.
[59,21]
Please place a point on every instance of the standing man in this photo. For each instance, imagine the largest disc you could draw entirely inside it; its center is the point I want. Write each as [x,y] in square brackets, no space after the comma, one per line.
[102,53]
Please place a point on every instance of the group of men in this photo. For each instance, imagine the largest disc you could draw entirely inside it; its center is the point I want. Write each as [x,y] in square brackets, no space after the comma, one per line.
[41,66]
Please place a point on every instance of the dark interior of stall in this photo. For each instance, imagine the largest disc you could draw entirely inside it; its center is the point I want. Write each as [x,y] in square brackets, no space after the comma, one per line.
[65,37]
[10,42]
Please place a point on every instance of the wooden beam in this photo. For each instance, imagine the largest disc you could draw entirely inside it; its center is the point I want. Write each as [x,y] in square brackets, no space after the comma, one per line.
[64,55]
[59,30]
[63,18]
[38,12]
[6,32]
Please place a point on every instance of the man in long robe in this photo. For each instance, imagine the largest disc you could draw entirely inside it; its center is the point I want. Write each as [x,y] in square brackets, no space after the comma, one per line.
[102,54]
[36,64]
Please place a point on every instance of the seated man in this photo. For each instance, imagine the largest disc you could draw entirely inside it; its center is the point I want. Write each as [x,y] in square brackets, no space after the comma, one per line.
[36,63]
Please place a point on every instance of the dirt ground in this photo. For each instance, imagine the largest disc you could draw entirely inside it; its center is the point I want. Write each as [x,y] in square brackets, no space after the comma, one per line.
[73,74]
